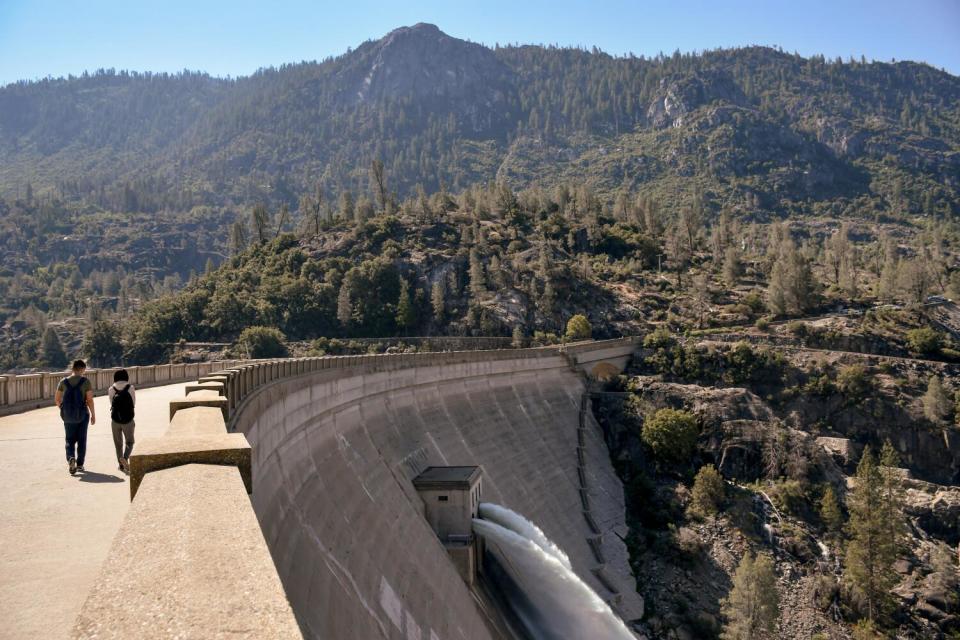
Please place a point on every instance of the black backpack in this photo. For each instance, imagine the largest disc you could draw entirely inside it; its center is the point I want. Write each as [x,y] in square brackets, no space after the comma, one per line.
[121,407]
[73,406]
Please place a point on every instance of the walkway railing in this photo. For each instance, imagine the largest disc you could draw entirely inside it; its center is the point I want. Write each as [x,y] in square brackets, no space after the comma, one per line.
[18,393]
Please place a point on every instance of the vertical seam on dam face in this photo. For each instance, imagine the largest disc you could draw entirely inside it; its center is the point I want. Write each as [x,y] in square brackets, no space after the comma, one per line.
[335,453]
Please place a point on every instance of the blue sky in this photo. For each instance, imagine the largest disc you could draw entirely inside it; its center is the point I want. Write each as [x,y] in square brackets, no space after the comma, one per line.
[57,37]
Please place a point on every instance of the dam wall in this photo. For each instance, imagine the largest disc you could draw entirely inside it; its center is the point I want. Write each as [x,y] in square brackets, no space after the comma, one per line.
[332,540]
[334,456]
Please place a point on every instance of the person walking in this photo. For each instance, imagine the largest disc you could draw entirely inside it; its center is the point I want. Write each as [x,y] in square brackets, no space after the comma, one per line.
[123,399]
[74,397]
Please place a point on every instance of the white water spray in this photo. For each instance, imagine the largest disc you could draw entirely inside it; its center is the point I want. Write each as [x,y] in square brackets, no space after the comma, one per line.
[548,598]
[518,524]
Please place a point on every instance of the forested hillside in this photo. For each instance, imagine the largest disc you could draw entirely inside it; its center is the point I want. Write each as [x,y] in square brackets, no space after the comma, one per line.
[757,126]
[117,187]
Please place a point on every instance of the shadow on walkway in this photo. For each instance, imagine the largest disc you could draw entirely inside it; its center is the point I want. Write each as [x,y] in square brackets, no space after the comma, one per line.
[97,478]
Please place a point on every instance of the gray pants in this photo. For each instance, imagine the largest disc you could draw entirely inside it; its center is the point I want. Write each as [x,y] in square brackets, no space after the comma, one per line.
[123,432]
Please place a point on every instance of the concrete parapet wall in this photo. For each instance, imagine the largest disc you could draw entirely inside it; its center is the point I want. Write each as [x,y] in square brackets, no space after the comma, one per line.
[188,562]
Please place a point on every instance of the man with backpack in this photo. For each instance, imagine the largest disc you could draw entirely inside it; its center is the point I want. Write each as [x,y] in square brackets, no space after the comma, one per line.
[75,399]
[123,397]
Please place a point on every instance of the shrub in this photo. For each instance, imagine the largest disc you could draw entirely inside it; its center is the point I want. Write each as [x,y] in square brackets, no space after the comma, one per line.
[542,338]
[578,328]
[659,338]
[866,630]
[790,496]
[762,324]
[924,341]
[854,381]
[262,342]
[746,364]
[819,384]
[755,301]
[797,329]
[671,435]
[708,492]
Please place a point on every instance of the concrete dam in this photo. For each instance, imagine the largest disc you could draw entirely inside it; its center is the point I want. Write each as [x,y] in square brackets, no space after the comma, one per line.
[332,449]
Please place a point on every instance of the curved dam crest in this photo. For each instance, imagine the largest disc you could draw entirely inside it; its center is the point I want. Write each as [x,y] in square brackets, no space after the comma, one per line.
[334,456]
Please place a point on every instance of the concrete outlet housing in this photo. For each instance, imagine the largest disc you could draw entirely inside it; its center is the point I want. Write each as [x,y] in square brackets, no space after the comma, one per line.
[451,497]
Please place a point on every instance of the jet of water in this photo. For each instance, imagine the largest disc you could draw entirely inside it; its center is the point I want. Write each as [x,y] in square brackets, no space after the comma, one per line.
[518,524]
[550,600]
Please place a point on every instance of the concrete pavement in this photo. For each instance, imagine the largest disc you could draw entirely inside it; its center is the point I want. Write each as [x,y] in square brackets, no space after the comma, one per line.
[56,530]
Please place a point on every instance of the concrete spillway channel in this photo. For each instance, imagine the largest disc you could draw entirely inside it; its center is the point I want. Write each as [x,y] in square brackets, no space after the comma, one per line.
[334,456]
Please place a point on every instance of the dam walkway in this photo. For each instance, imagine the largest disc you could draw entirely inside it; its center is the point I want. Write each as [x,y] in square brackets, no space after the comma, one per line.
[57,529]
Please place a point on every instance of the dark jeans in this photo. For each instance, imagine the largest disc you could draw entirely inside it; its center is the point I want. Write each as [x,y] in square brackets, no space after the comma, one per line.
[76,435]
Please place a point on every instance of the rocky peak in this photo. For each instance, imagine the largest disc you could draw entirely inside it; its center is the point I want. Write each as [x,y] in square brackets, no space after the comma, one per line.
[422,61]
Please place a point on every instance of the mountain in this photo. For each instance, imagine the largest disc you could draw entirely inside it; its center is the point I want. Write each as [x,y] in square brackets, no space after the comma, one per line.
[771,130]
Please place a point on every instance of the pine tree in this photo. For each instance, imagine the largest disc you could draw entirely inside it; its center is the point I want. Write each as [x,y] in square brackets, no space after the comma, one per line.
[238,237]
[346,205]
[887,284]
[101,343]
[406,314]
[478,285]
[937,405]
[51,350]
[732,268]
[438,301]
[700,295]
[260,221]
[378,183]
[548,299]
[753,606]
[776,290]
[895,526]
[870,556]
[830,512]
[344,304]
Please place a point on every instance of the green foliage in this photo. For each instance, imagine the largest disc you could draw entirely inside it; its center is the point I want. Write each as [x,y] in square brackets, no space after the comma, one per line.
[924,341]
[854,381]
[753,606]
[578,328]
[51,350]
[262,342]
[406,314]
[819,384]
[791,496]
[659,338]
[866,630]
[937,403]
[671,435]
[874,509]
[830,512]
[102,345]
[737,365]
[708,492]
